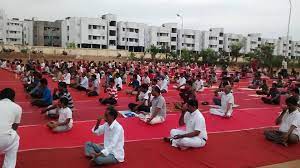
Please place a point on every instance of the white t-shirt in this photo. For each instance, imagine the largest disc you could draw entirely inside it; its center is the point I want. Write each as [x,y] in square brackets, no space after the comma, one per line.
[290,119]
[118,81]
[284,64]
[146,80]
[181,81]
[225,100]
[84,82]
[67,78]
[64,114]
[198,85]
[139,79]
[164,85]
[18,68]
[10,113]
[195,122]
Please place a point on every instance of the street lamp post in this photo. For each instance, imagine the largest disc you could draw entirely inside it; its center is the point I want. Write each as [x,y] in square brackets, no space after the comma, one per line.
[181,17]
[288,30]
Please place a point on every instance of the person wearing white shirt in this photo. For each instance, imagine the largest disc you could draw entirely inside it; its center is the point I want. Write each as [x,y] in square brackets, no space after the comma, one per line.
[227,102]
[84,83]
[94,90]
[146,79]
[289,124]
[112,151]
[118,82]
[198,84]
[195,134]
[180,82]
[67,77]
[139,79]
[164,85]
[65,121]
[10,117]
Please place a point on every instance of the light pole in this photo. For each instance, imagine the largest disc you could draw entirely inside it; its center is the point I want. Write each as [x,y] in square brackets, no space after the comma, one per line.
[178,15]
[288,30]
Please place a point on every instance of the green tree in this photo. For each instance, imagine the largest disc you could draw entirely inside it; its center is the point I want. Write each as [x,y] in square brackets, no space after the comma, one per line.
[71,45]
[235,49]
[186,55]
[132,56]
[153,50]
[209,56]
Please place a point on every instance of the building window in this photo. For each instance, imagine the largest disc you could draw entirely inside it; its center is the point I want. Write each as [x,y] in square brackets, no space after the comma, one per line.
[124,29]
[221,34]
[259,39]
[90,37]
[174,30]
[123,39]
[112,33]
[68,38]
[112,23]
[68,28]
[136,40]
[220,41]
[90,26]
[173,39]
[136,30]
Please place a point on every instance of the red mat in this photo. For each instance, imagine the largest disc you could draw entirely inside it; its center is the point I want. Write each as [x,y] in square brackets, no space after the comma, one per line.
[226,150]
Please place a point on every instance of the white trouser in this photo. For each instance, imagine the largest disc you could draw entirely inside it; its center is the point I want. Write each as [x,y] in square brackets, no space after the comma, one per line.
[155,120]
[219,112]
[9,144]
[194,142]
[176,87]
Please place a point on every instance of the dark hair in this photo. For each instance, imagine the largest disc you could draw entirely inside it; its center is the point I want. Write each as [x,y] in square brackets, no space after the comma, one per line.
[62,84]
[8,93]
[193,102]
[44,81]
[64,101]
[156,89]
[296,90]
[292,100]
[112,111]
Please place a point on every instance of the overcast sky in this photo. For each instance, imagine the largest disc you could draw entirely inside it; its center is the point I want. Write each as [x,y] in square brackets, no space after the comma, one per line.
[268,17]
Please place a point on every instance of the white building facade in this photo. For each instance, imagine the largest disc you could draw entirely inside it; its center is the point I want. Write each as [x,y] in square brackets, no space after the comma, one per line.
[27,32]
[131,36]
[90,32]
[14,30]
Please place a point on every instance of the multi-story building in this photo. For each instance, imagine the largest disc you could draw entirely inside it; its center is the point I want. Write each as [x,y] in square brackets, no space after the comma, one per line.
[216,39]
[131,36]
[272,42]
[284,46]
[90,32]
[163,36]
[47,33]
[14,30]
[189,39]
[27,32]
[296,49]
[230,39]
[3,24]
[253,41]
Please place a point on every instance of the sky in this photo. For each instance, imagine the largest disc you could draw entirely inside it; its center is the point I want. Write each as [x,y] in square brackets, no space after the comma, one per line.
[269,17]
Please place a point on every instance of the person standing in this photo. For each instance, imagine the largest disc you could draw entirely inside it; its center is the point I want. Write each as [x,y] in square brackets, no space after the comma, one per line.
[10,117]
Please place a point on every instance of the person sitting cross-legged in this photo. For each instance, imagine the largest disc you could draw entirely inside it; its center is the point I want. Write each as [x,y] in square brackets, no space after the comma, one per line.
[112,98]
[94,89]
[158,109]
[195,134]
[112,152]
[62,91]
[227,102]
[45,98]
[65,121]
[143,100]
[289,124]
[273,96]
